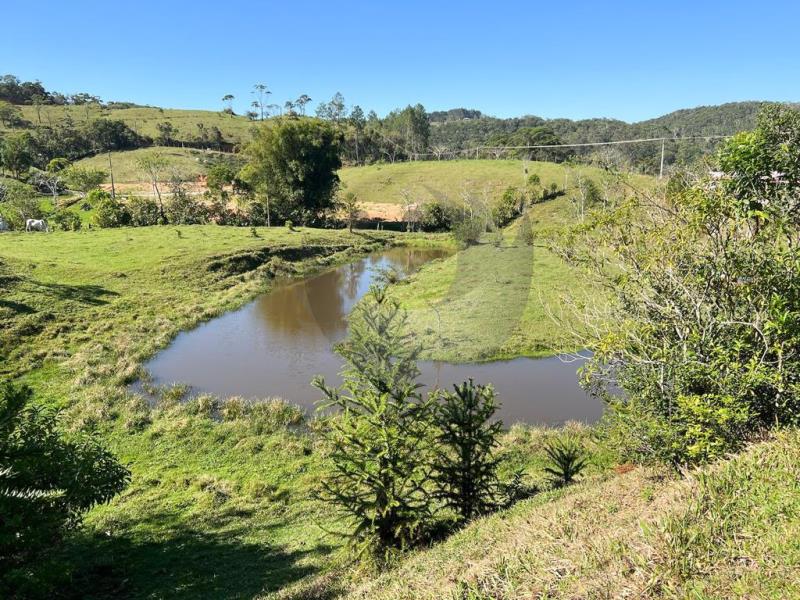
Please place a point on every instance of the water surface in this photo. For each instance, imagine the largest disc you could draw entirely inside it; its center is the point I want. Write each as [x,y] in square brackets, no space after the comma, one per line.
[276,344]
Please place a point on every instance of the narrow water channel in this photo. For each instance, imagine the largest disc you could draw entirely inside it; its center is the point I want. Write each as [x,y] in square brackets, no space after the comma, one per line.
[277,343]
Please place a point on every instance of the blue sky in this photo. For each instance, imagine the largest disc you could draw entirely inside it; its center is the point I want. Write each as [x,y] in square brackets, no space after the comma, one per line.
[629,60]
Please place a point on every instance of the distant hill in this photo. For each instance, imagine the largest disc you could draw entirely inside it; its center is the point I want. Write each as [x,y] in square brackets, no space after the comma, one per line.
[459,129]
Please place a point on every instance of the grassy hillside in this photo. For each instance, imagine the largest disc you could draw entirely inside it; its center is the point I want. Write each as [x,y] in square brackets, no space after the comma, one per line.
[729,531]
[144,120]
[438,180]
[496,299]
[188,162]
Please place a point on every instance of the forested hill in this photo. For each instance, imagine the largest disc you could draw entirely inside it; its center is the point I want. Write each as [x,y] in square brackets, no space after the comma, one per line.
[466,128]
[459,129]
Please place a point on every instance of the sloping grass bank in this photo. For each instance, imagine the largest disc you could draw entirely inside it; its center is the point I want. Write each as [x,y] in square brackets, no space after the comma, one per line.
[731,530]
[89,306]
[498,299]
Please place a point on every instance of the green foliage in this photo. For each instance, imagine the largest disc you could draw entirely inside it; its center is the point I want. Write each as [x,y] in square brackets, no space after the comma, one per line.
[220,175]
[143,211]
[47,481]
[66,220]
[460,132]
[508,207]
[16,153]
[109,212]
[18,202]
[113,134]
[10,115]
[567,460]
[295,161]
[183,209]
[525,233]
[57,165]
[437,216]
[84,179]
[763,165]
[532,136]
[350,208]
[465,466]
[379,439]
[707,306]
[468,232]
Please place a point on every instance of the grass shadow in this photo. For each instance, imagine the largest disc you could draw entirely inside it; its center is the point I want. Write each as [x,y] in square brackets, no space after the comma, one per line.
[191,564]
[17,307]
[93,295]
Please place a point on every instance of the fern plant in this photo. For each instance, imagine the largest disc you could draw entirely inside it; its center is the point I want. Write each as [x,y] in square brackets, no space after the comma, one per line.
[568,459]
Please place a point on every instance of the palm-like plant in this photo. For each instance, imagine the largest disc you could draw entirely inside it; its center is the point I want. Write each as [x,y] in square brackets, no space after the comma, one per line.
[567,459]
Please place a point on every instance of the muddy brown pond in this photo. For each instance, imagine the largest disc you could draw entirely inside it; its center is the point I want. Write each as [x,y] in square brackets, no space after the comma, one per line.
[276,344]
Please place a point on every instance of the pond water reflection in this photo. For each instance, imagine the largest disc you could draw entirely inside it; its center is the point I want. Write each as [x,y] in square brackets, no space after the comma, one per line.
[277,343]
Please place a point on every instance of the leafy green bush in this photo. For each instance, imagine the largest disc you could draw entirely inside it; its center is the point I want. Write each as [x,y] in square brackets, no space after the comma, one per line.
[18,202]
[706,303]
[525,232]
[108,212]
[465,468]
[508,207]
[183,209]
[144,211]
[66,220]
[47,481]
[468,232]
[436,216]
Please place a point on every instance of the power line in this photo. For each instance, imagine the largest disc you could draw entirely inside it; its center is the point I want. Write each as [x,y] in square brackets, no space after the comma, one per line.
[585,144]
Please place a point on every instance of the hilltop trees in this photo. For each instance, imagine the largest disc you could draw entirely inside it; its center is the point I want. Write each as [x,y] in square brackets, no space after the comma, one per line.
[294,161]
[412,126]
[261,91]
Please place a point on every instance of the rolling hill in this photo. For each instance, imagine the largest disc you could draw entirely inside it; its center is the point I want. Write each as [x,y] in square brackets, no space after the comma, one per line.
[143,119]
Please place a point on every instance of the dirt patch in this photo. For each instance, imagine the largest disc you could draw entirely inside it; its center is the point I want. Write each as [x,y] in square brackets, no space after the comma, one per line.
[379,211]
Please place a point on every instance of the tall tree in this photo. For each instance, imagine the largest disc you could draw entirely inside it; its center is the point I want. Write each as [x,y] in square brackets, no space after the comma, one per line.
[154,165]
[296,161]
[379,439]
[301,102]
[16,153]
[261,91]
[228,100]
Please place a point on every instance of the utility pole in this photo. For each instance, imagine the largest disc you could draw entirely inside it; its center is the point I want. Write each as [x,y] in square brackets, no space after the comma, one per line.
[661,172]
[111,171]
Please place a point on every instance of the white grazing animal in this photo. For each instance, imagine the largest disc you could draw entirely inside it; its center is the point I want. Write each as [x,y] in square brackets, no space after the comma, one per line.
[36,225]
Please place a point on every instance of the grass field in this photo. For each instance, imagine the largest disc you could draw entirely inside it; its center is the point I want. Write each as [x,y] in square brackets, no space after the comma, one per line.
[440,180]
[144,120]
[187,162]
[498,299]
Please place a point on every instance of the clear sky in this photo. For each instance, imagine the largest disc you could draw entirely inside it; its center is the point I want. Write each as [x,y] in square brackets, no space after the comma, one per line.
[629,60]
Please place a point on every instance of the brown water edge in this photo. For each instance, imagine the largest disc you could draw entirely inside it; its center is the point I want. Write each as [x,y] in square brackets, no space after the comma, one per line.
[275,345]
